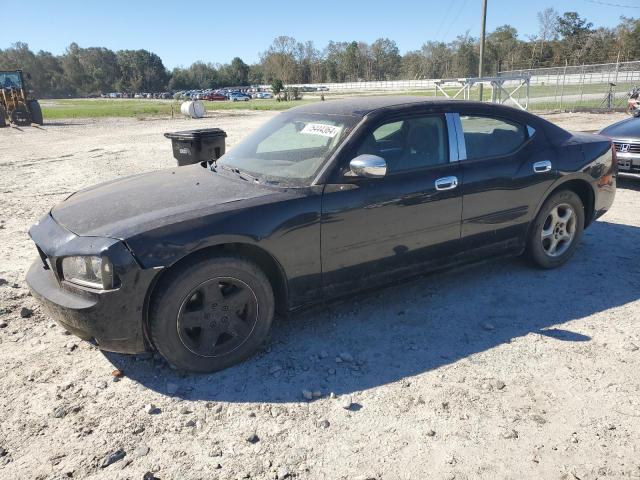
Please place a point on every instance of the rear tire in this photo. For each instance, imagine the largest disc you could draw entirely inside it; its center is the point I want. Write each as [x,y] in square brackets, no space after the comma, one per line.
[210,313]
[36,112]
[557,230]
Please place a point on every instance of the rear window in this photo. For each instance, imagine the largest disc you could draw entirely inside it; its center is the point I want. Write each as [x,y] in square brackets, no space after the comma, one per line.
[491,137]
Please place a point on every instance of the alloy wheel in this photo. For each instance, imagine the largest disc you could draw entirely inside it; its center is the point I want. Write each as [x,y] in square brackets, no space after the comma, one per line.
[217,316]
[558,230]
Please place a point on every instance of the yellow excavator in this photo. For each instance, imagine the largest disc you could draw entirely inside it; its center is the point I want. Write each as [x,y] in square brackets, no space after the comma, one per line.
[15,106]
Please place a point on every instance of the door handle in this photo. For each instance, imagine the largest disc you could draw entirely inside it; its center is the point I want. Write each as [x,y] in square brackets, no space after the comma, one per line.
[541,167]
[446,183]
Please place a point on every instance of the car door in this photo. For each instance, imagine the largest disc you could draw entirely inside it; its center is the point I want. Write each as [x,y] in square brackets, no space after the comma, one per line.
[376,229]
[507,166]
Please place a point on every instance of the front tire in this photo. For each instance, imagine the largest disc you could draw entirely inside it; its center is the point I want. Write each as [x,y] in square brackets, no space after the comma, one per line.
[210,313]
[36,112]
[557,230]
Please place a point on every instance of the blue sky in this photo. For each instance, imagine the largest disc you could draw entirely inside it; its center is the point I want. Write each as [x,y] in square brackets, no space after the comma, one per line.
[183,32]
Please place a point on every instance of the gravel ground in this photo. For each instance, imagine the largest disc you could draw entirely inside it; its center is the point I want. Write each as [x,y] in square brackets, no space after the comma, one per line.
[495,371]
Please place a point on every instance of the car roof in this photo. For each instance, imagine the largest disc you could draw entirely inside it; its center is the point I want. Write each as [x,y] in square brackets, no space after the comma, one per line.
[382,105]
[361,106]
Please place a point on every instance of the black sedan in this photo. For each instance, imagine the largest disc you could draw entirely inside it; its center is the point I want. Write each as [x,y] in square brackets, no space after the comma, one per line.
[323,200]
[626,138]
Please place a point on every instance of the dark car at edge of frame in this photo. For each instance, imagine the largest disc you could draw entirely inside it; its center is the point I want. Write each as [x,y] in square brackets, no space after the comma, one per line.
[626,140]
[321,201]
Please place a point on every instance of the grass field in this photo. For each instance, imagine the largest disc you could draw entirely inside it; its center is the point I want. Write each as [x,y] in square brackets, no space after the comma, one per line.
[94,108]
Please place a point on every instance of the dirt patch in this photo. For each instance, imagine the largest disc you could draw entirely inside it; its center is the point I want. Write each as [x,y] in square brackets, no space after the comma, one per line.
[492,371]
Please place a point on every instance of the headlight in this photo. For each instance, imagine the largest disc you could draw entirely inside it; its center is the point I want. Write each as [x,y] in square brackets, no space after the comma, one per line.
[90,271]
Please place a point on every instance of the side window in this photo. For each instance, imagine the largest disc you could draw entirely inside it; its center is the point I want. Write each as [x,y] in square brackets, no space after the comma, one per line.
[491,137]
[409,144]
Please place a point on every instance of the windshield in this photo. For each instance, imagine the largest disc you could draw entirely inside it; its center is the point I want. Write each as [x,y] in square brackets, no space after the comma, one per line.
[10,80]
[291,148]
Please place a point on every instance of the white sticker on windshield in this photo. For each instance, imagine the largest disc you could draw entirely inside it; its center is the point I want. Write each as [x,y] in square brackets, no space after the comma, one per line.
[321,129]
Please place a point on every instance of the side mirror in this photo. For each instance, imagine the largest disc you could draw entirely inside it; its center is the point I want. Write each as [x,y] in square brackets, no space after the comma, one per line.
[370,166]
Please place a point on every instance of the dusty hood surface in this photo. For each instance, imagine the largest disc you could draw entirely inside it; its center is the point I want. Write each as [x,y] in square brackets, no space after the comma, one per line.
[129,205]
[629,128]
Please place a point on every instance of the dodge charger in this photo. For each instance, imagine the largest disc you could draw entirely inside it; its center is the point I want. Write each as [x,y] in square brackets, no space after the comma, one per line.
[323,200]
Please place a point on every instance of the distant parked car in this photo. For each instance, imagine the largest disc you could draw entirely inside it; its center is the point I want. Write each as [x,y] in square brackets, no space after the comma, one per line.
[322,89]
[214,96]
[626,138]
[239,97]
[263,95]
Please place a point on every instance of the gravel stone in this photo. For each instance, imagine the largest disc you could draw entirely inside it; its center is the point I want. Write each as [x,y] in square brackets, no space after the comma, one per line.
[26,312]
[113,458]
[283,472]
[346,402]
[323,423]
[140,451]
[59,412]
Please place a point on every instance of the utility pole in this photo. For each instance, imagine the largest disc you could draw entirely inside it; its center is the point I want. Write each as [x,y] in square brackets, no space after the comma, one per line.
[482,35]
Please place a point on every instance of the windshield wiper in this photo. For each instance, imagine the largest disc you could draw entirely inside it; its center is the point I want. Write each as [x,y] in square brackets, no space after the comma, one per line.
[241,174]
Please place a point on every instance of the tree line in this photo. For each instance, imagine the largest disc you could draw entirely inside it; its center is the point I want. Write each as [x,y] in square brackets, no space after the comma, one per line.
[561,40]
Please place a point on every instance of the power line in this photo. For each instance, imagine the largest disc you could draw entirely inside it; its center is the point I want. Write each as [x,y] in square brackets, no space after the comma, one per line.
[455,19]
[607,4]
[444,20]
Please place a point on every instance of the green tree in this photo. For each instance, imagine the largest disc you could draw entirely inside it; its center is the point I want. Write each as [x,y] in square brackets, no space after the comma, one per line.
[238,72]
[502,49]
[386,59]
[277,86]
[279,61]
[575,32]
[141,71]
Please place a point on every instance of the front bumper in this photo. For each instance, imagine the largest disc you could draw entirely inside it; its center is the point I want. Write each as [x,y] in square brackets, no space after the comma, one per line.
[113,319]
[628,163]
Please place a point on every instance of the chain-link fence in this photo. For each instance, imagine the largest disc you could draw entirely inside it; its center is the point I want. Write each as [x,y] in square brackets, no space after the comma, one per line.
[603,86]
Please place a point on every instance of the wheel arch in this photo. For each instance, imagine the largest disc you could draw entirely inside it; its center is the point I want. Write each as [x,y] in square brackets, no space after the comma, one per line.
[261,257]
[581,187]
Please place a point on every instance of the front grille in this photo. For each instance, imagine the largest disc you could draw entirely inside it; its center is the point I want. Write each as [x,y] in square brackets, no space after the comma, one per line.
[627,147]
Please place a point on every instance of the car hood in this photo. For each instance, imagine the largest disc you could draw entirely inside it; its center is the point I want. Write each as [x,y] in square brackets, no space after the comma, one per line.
[124,207]
[626,129]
